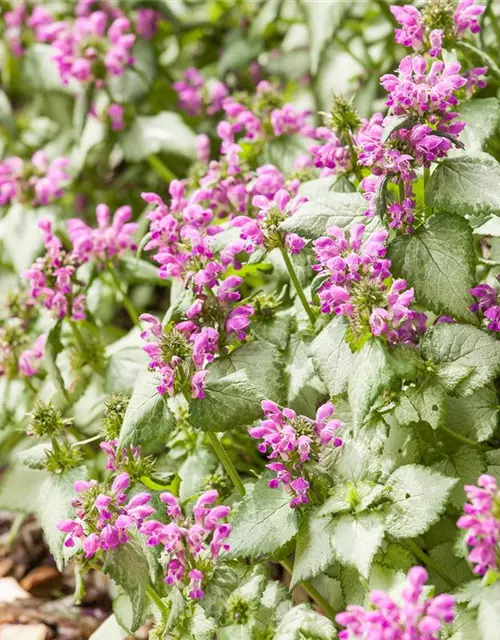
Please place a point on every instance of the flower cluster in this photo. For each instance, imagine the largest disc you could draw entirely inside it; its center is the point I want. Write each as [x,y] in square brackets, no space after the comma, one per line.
[416,617]
[108,240]
[482,524]
[292,441]
[26,18]
[195,96]
[53,279]
[104,517]
[487,304]
[93,46]
[37,182]
[192,545]
[355,272]
[439,20]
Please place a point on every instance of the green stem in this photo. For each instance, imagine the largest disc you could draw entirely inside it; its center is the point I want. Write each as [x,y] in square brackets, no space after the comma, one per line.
[161,168]
[127,303]
[296,283]
[401,191]
[312,592]
[155,599]
[427,174]
[15,527]
[226,462]
[78,336]
[430,563]
[460,437]
[354,158]
[495,23]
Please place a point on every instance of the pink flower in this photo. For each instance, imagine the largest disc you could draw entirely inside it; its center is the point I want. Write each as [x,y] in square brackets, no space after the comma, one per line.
[466,16]
[29,360]
[416,617]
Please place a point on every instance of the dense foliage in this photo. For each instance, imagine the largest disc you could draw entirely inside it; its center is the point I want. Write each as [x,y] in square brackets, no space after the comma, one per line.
[249,322]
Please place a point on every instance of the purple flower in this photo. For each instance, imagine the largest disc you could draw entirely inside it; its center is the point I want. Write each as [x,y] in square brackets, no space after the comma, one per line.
[190,544]
[107,240]
[294,440]
[466,15]
[416,616]
[29,360]
[482,524]
[412,32]
[116,113]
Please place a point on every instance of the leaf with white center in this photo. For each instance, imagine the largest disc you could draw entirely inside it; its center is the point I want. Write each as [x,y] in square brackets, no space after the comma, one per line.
[423,401]
[303,622]
[418,497]
[467,358]
[489,613]
[305,389]
[230,402]
[263,365]
[135,82]
[20,488]
[126,360]
[371,372]
[465,463]
[148,418]
[466,185]
[332,356]
[464,626]
[438,261]
[482,122]
[343,210]
[128,568]
[56,493]
[194,470]
[163,132]
[314,551]
[475,416]
[35,457]
[356,539]
[313,188]
[263,523]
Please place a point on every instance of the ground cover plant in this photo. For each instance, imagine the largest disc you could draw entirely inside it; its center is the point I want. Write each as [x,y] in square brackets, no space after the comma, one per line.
[249,356]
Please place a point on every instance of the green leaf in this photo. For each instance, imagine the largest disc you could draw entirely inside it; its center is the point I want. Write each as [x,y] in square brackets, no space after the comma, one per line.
[275,330]
[395,123]
[200,626]
[343,210]
[475,416]
[464,626]
[263,523]
[312,188]
[467,185]
[418,496]
[424,401]
[230,402]
[357,538]
[263,364]
[36,456]
[305,389]
[53,347]
[323,19]
[128,568]
[455,567]
[303,622]
[314,551]
[193,472]
[438,261]
[135,82]
[109,630]
[465,463]
[148,418]
[7,120]
[137,270]
[482,120]
[126,360]
[372,371]
[18,228]
[20,489]
[56,493]
[467,358]
[489,613]
[332,356]
[163,132]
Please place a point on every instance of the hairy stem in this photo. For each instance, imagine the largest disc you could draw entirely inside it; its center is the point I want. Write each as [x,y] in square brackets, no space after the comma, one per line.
[312,592]
[430,563]
[160,168]
[296,283]
[127,303]
[226,462]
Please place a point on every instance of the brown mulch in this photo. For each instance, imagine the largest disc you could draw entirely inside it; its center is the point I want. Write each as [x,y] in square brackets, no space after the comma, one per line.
[36,600]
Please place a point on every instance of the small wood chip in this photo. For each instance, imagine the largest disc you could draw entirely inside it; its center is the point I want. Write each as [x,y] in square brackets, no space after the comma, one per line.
[42,581]
[10,590]
[23,632]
